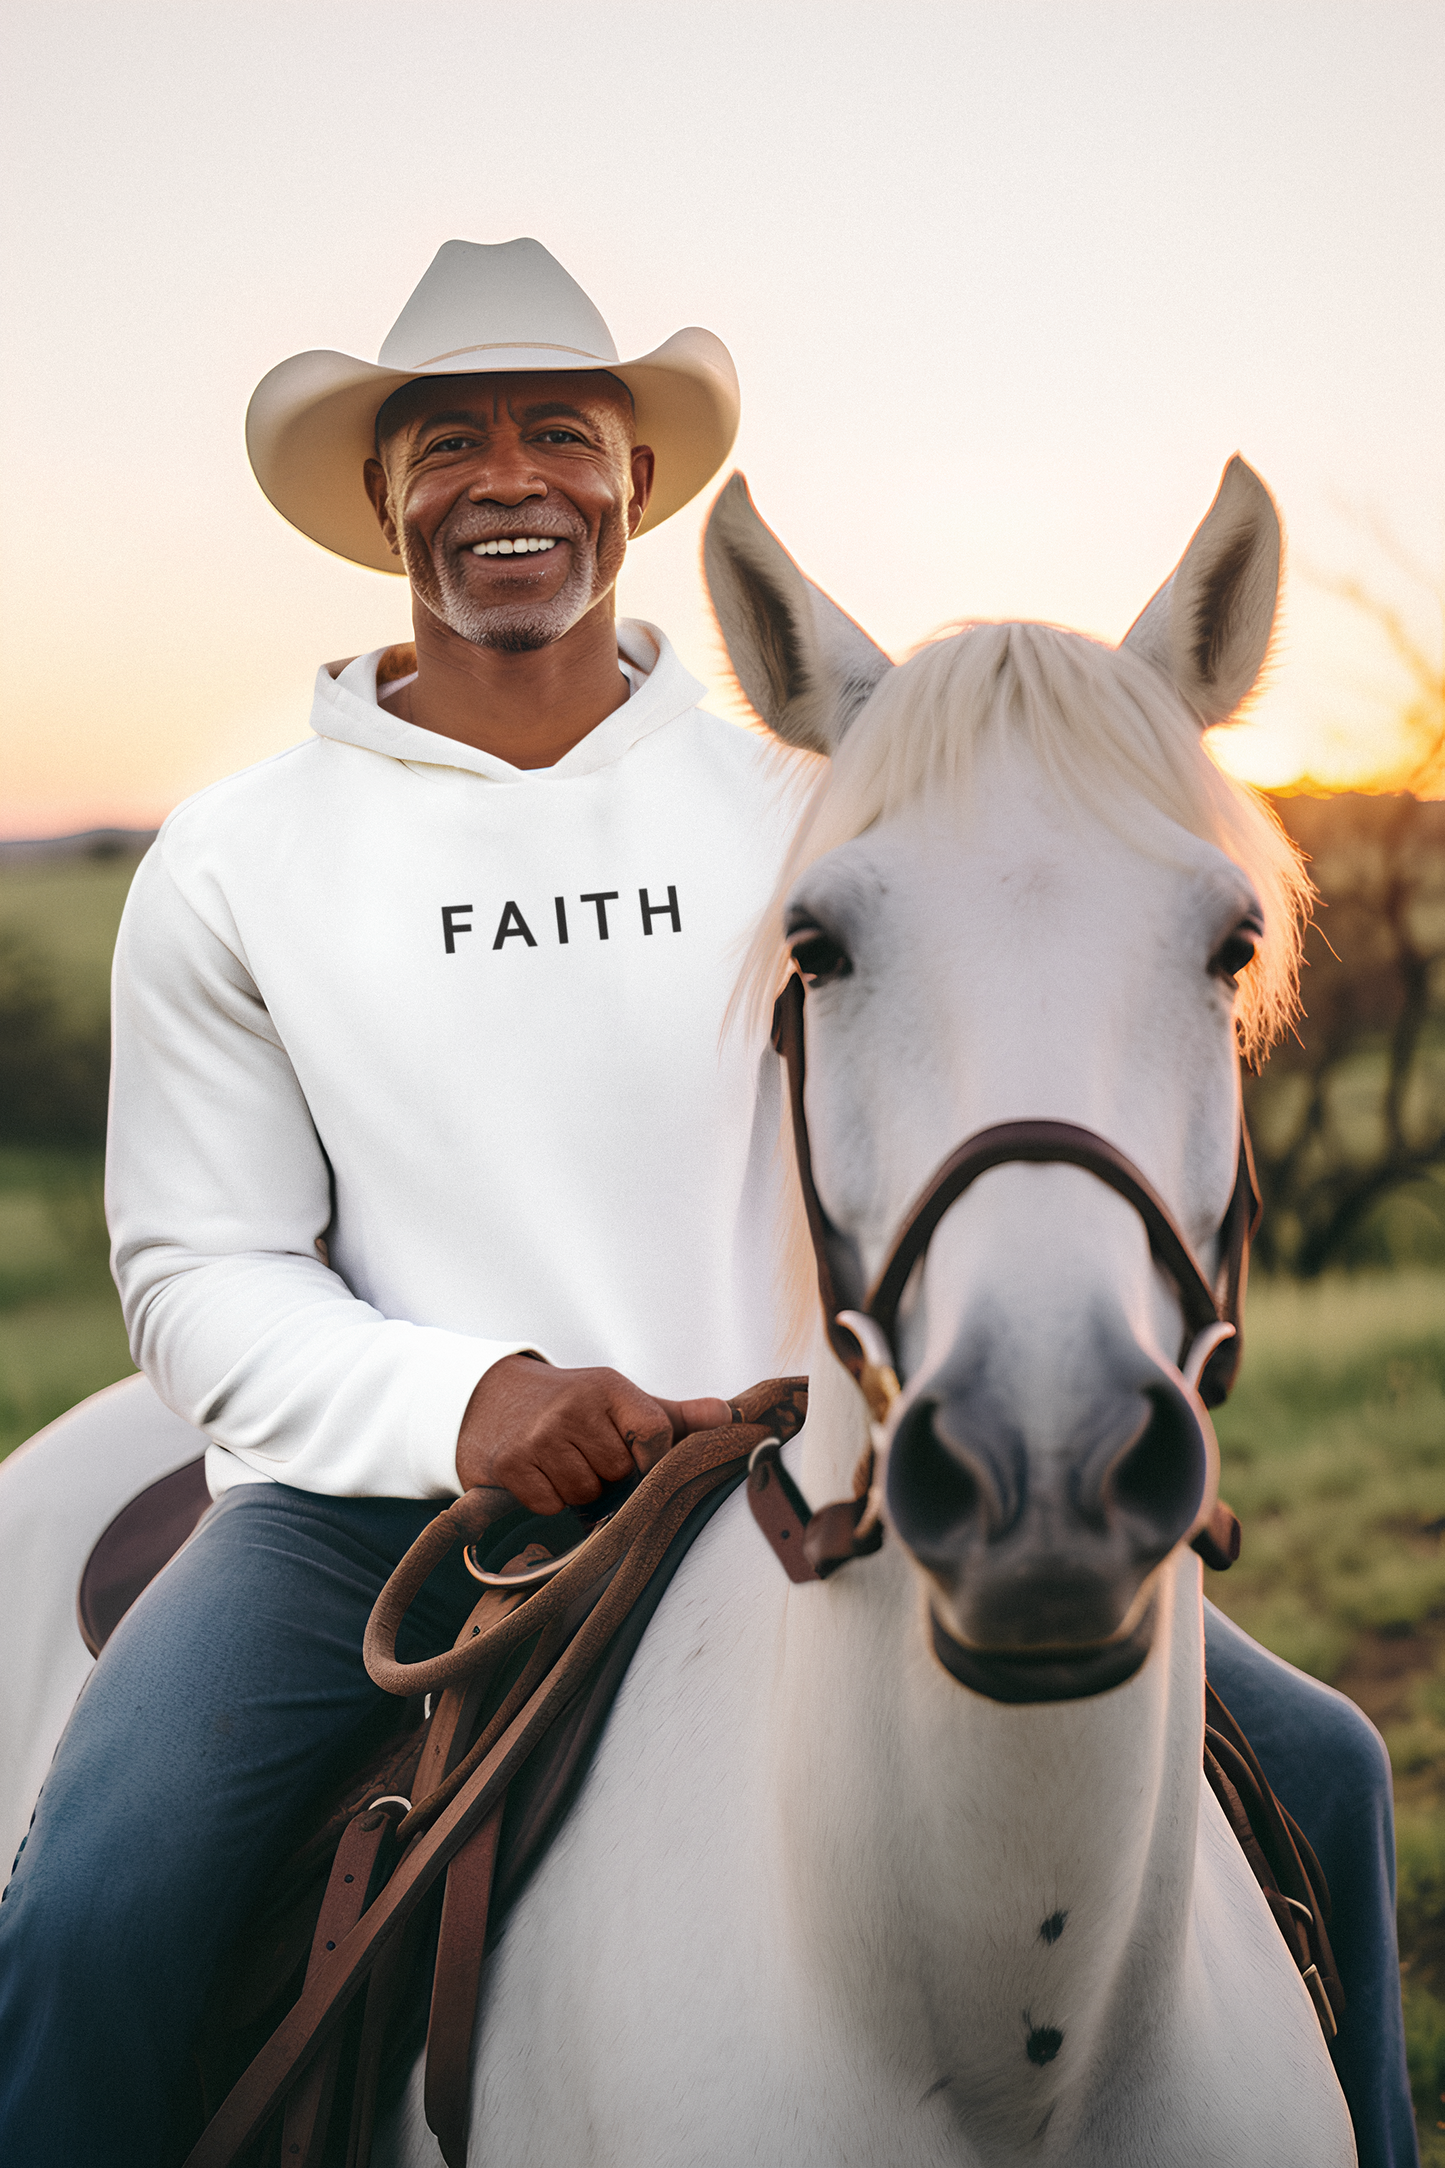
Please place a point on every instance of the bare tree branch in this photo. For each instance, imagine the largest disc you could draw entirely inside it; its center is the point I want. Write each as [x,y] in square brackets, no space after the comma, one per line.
[1425,719]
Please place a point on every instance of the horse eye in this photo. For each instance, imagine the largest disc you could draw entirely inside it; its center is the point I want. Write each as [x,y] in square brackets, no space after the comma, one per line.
[1230,958]
[818,956]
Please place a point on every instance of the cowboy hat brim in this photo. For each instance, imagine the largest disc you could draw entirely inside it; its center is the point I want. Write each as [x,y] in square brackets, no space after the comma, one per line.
[311,424]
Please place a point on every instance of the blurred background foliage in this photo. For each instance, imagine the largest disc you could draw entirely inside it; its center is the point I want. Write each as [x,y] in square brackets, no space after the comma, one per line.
[61,1335]
[1348,1115]
[1334,1441]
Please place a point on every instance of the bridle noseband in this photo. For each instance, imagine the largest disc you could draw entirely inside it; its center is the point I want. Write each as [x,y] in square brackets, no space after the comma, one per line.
[863,1339]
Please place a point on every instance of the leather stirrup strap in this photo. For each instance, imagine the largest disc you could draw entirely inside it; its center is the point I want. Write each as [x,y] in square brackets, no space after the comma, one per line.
[389,1976]
[449,1724]
[455,1985]
[308,2112]
[441,1771]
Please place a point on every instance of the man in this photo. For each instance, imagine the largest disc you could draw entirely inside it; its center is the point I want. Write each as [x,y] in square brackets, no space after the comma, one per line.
[424,1115]
[424,1118]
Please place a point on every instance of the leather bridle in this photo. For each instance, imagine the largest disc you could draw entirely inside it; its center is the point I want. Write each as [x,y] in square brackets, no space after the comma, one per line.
[863,1339]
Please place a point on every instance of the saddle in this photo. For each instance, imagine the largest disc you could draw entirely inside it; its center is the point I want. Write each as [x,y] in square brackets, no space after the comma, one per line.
[373,1933]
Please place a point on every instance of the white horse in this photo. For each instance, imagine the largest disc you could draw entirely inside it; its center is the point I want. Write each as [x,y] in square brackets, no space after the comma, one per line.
[819,1903]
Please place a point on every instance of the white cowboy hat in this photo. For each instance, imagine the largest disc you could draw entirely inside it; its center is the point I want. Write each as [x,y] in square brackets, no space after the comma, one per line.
[478,310]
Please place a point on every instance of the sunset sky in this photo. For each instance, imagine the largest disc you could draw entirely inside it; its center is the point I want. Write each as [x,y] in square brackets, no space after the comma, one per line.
[1006,284]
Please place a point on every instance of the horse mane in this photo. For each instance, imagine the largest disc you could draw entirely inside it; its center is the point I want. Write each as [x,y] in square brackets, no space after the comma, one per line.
[1109,731]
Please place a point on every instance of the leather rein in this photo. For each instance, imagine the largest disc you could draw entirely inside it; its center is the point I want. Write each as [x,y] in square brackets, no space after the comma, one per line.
[812,1545]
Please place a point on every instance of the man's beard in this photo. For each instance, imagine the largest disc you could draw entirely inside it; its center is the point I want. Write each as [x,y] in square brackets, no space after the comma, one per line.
[509,628]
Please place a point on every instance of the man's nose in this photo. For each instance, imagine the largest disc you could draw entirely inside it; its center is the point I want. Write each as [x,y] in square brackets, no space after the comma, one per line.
[508,475]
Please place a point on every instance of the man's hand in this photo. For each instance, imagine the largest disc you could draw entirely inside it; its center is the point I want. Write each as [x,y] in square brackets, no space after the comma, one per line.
[553,1438]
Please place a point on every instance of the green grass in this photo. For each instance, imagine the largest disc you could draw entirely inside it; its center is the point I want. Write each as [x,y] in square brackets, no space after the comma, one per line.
[68,910]
[61,1335]
[1333,1451]
[1333,1455]
[1420,1846]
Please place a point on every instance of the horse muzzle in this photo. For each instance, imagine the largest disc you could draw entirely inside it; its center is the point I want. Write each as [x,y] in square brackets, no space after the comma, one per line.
[1042,1549]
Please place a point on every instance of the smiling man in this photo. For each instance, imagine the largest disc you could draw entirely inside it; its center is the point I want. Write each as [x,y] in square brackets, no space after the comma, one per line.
[431,1162]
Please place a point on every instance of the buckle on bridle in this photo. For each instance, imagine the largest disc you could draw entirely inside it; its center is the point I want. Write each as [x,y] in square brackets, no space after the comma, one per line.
[875,1374]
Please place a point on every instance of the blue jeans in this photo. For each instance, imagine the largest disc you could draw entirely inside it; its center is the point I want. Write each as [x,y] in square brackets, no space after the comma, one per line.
[230,1695]
[1328,1765]
[234,1691]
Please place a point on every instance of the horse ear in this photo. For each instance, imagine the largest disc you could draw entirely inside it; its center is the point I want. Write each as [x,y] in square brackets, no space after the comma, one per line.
[804,665]
[1208,628]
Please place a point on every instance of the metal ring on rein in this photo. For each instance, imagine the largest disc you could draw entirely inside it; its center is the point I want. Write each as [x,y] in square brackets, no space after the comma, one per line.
[532,1576]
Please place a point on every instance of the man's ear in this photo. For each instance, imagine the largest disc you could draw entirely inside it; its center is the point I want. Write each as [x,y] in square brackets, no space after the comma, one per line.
[1208,628]
[805,666]
[644,465]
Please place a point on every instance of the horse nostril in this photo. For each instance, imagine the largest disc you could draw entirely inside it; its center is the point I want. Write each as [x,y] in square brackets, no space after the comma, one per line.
[932,1493]
[1159,1478]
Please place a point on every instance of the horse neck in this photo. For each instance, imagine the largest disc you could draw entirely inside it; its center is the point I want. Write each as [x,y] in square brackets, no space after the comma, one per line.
[954,1862]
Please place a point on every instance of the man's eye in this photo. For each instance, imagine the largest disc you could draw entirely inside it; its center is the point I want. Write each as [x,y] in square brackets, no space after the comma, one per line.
[1236,951]
[451,444]
[818,956]
[558,436]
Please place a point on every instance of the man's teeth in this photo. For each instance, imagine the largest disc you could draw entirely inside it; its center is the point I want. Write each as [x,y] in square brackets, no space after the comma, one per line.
[522,545]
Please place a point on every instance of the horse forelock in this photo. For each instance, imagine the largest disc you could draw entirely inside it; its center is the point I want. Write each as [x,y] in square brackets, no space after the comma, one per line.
[1107,730]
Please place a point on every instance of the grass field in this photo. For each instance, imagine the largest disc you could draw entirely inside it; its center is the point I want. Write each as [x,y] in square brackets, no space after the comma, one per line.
[1333,1453]
[68,910]
[61,1335]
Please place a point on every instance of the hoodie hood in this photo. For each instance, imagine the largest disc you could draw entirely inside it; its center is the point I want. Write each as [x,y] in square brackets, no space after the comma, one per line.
[345,707]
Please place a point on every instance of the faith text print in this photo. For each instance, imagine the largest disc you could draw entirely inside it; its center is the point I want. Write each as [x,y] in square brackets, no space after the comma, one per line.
[457,918]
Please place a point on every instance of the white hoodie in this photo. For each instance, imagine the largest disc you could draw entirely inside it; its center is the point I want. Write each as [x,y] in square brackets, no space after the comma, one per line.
[464,1022]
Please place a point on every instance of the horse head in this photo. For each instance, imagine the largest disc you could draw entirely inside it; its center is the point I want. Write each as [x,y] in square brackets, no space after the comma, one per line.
[1024,892]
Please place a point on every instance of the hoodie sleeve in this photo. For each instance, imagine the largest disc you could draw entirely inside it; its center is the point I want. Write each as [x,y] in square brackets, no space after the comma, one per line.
[217,1188]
